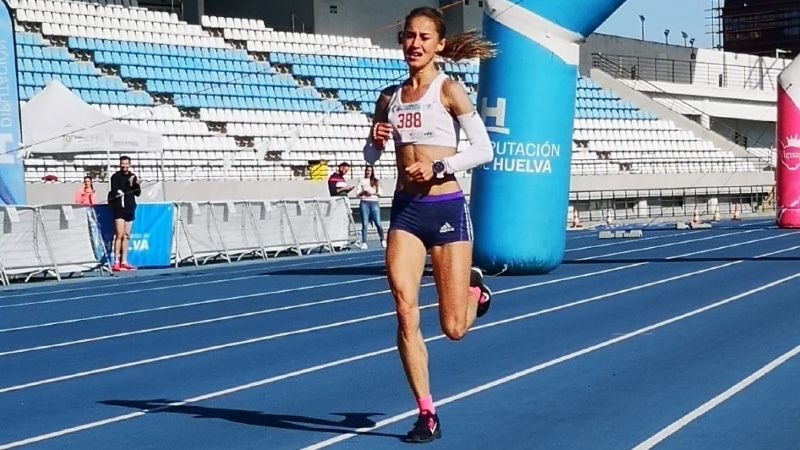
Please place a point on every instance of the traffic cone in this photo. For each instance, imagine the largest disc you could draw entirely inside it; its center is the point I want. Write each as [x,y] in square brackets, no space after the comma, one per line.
[576,220]
[737,212]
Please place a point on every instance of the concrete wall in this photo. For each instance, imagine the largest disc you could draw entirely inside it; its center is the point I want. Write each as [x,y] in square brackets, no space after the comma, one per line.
[676,63]
[43,193]
[363,18]
[740,70]
[366,19]
[464,17]
[275,13]
[360,18]
[615,45]
[759,134]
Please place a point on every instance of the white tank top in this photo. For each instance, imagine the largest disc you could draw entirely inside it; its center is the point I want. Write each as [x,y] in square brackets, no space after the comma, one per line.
[424,122]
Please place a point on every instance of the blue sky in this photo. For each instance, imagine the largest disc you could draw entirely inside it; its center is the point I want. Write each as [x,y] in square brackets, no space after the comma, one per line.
[676,15]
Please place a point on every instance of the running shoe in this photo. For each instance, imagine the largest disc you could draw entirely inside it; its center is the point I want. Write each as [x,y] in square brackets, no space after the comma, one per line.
[127,266]
[426,429]
[116,267]
[476,280]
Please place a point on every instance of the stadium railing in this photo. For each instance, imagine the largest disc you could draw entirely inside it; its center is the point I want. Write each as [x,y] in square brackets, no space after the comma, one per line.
[688,72]
[589,162]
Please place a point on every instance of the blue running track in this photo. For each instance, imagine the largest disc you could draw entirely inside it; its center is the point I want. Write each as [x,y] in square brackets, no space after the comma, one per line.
[678,340]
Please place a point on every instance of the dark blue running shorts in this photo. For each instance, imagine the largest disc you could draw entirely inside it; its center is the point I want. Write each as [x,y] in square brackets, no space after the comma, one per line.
[434,219]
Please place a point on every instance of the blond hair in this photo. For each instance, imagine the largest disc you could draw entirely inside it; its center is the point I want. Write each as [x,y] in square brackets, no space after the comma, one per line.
[466,46]
[463,46]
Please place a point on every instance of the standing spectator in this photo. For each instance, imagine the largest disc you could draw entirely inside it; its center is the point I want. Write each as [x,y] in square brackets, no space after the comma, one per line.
[337,184]
[369,191]
[122,201]
[85,194]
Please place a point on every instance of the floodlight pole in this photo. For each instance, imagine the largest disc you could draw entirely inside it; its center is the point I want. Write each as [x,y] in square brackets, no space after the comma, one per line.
[642,18]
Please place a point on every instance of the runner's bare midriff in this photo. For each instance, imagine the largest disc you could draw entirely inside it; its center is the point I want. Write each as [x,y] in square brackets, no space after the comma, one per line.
[426,154]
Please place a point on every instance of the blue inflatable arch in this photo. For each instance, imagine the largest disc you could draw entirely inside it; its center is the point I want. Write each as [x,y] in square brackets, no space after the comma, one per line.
[526,97]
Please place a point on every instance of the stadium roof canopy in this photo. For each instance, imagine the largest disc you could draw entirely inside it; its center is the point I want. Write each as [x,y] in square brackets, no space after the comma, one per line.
[57,122]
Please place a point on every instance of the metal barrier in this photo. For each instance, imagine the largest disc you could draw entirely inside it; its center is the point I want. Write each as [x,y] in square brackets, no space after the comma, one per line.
[213,230]
[599,206]
[51,240]
[54,240]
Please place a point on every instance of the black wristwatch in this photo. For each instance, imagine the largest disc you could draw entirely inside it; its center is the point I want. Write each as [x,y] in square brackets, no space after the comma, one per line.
[439,168]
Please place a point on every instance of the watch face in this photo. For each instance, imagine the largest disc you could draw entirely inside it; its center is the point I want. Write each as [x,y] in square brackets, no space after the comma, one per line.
[438,167]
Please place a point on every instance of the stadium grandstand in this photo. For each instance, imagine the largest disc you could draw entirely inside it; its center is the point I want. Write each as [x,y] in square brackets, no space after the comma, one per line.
[236,100]
[239,102]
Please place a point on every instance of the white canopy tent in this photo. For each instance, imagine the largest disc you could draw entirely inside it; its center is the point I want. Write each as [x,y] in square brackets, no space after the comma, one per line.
[57,123]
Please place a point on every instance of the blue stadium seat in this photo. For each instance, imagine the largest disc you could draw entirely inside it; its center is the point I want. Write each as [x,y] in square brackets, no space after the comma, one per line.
[26,78]
[79,81]
[25,65]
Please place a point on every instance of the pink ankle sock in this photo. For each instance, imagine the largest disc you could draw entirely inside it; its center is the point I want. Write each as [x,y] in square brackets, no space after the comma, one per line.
[476,292]
[426,404]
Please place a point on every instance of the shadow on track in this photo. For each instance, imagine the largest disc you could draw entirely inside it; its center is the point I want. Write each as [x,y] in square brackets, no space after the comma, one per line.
[349,422]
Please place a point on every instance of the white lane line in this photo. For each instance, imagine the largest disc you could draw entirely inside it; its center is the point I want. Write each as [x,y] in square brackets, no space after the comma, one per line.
[362,356]
[738,244]
[257,294]
[140,311]
[285,308]
[630,241]
[777,252]
[676,426]
[197,399]
[553,362]
[104,294]
[205,272]
[160,288]
[347,322]
[619,242]
[748,223]
[199,351]
[93,284]
[269,265]
[185,305]
[670,244]
[198,322]
[322,302]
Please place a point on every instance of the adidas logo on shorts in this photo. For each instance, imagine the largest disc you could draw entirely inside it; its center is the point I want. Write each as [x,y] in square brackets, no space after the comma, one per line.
[446,228]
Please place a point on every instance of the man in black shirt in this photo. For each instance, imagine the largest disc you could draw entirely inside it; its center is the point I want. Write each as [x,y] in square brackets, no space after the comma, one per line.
[122,201]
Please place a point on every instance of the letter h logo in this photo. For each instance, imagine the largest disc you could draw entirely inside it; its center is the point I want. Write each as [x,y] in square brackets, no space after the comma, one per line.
[499,114]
